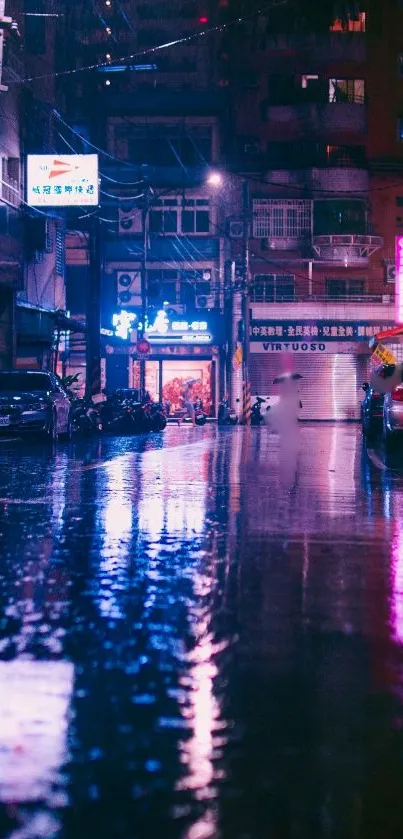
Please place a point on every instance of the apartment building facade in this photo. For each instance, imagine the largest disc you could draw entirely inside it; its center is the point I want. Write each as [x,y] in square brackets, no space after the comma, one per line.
[315,120]
[156,119]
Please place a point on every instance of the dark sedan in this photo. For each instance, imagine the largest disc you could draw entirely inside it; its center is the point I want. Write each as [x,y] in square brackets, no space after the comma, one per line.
[34,401]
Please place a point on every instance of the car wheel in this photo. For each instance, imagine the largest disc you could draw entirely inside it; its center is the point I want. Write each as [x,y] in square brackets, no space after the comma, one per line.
[68,434]
[51,434]
[389,440]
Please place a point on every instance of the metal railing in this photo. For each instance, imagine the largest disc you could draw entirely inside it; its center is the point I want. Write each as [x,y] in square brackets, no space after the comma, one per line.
[267,296]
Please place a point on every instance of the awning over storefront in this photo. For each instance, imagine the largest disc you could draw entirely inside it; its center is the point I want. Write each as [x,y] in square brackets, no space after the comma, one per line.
[36,325]
[395,335]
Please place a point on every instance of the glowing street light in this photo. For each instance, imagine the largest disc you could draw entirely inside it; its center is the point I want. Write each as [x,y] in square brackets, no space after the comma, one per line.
[215,179]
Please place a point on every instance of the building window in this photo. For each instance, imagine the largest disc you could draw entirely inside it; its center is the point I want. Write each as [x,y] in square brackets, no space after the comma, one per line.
[60,252]
[338,288]
[400,128]
[177,215]
[163,218]
[347,90]
[399,200]
[350,23]
[10,180]
[195,217]
[281,219]
[272,288]
[163,287]
[340,216]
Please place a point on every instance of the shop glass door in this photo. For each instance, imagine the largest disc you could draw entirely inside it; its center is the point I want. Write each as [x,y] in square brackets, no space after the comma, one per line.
[178,374]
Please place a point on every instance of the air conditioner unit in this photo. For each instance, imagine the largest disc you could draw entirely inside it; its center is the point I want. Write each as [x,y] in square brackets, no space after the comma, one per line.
[129,288]
[386,299]
[204,301]
[175,309]
[390,273]
[130,219]
[235,229]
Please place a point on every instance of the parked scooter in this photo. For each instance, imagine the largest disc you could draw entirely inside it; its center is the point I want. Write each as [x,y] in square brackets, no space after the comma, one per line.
[154,416]
[85,416]
[226,415]
[256,417]
[200,416]
[123,413]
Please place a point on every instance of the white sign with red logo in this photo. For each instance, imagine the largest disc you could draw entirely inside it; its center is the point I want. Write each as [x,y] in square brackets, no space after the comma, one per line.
[69,180]
[399,280]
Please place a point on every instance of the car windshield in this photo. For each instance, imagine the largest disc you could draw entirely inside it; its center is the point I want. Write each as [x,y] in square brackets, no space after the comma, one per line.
[22,382]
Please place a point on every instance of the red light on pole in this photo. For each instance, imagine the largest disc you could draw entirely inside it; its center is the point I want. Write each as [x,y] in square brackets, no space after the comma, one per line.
[203,19]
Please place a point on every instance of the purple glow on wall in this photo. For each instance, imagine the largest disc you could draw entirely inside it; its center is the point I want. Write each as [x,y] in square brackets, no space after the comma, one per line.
[399,280]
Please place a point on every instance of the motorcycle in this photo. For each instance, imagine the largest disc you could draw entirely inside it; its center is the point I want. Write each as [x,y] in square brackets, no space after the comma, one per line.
[200,416]
[85,416]
[226,415]
[256,417]
[118,414]
[123,413]
[154,415]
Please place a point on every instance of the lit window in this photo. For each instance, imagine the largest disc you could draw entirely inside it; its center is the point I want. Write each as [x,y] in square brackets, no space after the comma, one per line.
[400,63]
[350,23]
[307,80]
[347,90]
[400,129]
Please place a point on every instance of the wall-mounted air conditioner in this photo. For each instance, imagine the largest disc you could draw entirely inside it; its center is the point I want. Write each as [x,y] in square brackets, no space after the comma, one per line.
[390,273]
[128,288]
[204,301]
[235,229]
[130,219]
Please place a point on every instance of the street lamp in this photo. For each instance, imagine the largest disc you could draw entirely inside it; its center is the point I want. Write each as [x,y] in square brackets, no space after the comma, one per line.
[215,179]
[240,296]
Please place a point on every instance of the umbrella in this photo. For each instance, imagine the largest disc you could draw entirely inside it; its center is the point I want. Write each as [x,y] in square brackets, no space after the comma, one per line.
[287,377]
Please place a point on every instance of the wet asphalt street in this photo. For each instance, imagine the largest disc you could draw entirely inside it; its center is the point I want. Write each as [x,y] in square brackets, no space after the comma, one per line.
[201,637]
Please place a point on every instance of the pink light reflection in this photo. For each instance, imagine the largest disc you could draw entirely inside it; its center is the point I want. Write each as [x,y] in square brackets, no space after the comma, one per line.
[397,584]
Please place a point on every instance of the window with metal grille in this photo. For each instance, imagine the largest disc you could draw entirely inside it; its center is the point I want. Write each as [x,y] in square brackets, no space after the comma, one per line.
[338,287]
[60,253]
[272,288]
[347,90]
[281,219]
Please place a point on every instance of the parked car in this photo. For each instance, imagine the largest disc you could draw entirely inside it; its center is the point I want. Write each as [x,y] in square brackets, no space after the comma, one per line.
[393,417]
[371,412]
[34,401]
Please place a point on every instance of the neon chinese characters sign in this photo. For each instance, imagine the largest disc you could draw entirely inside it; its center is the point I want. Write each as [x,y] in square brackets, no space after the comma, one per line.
[123,323]
[399,281]
[178,331]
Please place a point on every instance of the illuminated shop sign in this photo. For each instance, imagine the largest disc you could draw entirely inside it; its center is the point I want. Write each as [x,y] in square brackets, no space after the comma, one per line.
[178,331]
[70,180]
[315,330]
[123,323]
[399,281]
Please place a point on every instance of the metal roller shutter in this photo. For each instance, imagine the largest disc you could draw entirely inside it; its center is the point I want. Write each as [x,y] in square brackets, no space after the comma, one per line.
[330,388]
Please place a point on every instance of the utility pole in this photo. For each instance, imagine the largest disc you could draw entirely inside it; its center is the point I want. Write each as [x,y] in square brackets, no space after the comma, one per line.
[93,318]
[144,292]
[246,307]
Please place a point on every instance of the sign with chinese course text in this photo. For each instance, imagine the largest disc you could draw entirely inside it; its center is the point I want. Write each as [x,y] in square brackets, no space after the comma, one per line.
[70,180]
[399,280]
[315,330]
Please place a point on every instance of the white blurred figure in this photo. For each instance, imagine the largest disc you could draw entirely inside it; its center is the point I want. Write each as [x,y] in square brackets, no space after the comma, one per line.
[284,420]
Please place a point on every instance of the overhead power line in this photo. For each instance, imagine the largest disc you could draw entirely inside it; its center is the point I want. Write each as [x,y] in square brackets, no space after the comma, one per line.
[159,47]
